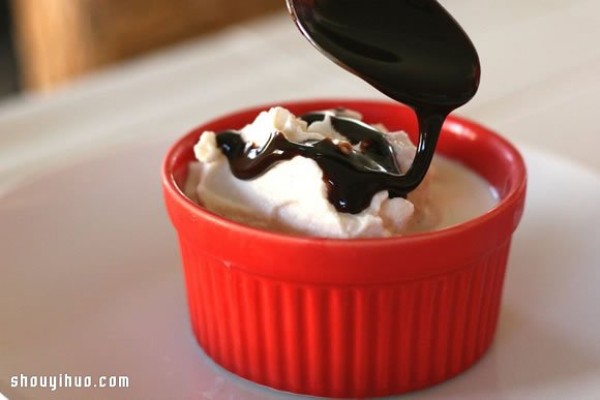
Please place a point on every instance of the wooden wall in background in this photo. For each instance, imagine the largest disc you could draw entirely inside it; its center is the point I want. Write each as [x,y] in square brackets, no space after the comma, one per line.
[58,40]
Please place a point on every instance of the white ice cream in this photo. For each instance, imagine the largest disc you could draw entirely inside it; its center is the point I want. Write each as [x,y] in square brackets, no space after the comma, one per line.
[291,196]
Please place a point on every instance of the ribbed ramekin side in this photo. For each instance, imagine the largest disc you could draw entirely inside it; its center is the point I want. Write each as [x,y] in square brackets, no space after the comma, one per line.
[350,341]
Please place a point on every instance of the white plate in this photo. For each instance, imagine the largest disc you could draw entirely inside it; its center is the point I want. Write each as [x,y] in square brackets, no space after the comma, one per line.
[91,285]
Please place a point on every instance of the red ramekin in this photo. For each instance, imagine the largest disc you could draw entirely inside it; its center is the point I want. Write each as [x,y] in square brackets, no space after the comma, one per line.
[349,318]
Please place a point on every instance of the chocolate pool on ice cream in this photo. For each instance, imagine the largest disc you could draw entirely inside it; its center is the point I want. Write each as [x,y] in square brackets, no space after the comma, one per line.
[349,317]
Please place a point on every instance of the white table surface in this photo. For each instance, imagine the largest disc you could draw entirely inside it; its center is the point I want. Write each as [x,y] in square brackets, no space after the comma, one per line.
[539,88]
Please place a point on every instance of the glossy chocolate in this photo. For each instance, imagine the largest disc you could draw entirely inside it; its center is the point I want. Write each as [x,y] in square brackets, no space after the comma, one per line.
[353,171]
[410,50]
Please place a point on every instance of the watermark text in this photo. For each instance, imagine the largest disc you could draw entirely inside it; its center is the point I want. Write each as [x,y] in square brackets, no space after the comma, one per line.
[53,382]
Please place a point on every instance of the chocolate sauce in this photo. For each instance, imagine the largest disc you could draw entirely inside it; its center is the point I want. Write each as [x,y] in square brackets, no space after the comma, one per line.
[412,51]
[353,171]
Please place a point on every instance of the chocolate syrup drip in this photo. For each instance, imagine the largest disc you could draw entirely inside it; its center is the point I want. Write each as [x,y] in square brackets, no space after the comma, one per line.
[411,50]
[353,172]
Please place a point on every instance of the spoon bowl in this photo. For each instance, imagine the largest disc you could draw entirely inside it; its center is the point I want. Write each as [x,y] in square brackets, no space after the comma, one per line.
[411,50]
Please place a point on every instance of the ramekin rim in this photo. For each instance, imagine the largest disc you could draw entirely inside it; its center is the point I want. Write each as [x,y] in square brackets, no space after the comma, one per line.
[511,200]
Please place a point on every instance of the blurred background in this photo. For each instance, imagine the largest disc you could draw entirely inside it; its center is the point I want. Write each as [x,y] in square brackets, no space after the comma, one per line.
[47,43]
[9,77]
